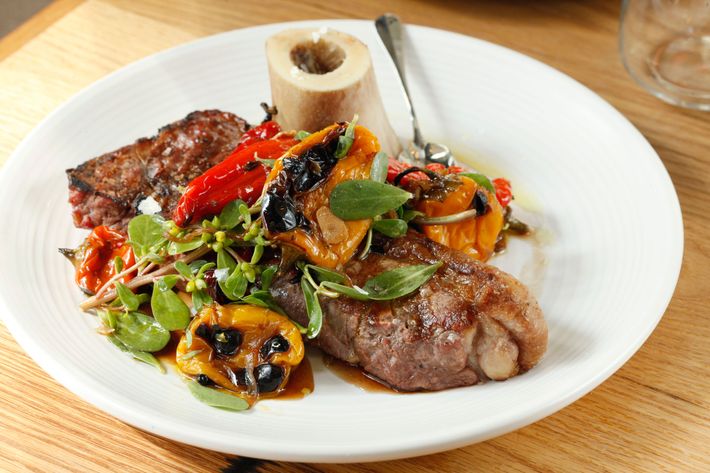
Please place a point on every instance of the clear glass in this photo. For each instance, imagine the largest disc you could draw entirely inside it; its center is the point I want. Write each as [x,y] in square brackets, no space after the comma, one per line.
[665,46]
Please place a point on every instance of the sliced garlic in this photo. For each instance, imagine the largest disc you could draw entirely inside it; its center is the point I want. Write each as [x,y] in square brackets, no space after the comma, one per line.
[332,228]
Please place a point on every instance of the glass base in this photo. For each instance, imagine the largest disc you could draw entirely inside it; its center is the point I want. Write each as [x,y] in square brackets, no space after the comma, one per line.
[678,71]
[683,64]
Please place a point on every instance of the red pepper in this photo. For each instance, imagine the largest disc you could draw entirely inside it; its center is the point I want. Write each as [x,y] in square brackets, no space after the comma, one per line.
[395,167]
[265,131]
[504,192]
[101,248]
[239,176]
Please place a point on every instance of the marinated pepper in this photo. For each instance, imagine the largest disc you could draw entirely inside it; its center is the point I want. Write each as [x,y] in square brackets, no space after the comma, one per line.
[239,176]
[245,349]
[295,204]
[95,259]
[475,236]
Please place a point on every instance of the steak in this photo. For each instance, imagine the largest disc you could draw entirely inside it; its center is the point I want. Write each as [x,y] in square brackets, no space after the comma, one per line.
[107,190]
[469,323]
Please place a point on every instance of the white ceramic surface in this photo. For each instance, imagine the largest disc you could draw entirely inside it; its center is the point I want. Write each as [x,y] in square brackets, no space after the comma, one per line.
[604,274]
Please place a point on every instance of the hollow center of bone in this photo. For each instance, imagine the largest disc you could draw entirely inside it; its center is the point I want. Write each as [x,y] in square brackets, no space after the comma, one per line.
[319,57]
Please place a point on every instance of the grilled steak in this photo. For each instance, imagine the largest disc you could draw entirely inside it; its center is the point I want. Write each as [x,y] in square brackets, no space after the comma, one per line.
[469,323]
[108,189]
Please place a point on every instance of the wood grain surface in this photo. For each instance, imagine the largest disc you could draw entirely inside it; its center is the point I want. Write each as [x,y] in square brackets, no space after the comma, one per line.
[652,415]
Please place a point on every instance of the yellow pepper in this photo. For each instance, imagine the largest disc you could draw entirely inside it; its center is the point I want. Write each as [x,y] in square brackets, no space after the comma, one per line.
[245,349]
[477,236]
[329,242]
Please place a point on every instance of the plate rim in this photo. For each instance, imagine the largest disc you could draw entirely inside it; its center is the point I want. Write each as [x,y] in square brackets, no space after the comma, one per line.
[455,438]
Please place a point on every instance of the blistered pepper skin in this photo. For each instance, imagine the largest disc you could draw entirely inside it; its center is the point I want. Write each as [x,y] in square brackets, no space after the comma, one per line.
[476,237]
[256,326]
[356,165]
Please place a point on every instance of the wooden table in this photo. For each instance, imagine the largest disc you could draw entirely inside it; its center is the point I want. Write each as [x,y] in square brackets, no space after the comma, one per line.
[652,415]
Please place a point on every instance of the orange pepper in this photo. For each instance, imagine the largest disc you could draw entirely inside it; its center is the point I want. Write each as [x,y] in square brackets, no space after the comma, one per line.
[356,165]
[99,251]
[476,237]
[256,326]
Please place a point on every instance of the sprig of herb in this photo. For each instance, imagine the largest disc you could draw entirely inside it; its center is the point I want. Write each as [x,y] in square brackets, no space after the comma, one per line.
[140,332]
[301,135]
[387,285]
[399,282]
[380,164]
[479,179]
[345,141]
[360,199]
[313,309]
[215,398]
[391,227]
[146,234]
[167,307]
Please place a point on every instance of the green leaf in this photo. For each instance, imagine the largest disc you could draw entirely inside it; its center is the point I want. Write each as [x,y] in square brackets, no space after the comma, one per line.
[107,317]
[325,274]
[236,285]
[409,215]
[378,171]
[399,282]
[170,280]
[267,275]
[258,253]
[352,292]
[183,269]
[203,269]
[244,213]
[315,313]
[118,264]
[480,179]
[196,265]
[168,309]
[188,355]
[358,199]
[200,299]
[346,140]
[149,359]
[215,398]
[391,227]
[129,300]
[138,355]
[188,338]
[145,234]
[176,248]
[118,343]
[227,263]
[301,135]
[263,299]
[140,332]
[229,216]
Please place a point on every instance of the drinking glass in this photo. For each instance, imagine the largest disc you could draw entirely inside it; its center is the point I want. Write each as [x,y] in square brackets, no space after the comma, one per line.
[665,47]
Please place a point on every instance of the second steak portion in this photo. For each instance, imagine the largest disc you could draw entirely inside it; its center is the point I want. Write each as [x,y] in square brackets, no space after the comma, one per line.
[469,323]
[107,190]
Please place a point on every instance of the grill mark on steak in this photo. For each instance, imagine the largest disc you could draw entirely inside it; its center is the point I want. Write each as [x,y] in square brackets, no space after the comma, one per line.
[469,323]
[107,190]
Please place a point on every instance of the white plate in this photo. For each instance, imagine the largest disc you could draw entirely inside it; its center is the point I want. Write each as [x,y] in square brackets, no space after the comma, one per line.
[611,216]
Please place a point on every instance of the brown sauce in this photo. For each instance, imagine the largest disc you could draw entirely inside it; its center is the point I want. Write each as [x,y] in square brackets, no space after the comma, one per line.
[167,354]
[356,376]
[300,383]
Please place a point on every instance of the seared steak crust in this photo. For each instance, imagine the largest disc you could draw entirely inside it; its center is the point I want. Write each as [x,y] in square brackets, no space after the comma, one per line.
[107,190]
[469,323]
